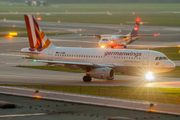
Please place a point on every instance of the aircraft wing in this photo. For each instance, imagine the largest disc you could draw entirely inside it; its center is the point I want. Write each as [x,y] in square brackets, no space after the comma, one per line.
[139,35]
[144,35]
[79,64]
[93,35]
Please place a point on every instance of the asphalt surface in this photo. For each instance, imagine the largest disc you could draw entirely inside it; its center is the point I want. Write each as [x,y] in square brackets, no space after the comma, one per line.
[10,57]
[39,109]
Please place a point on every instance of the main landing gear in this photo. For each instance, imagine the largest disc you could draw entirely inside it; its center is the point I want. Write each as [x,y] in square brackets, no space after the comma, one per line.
[87,79]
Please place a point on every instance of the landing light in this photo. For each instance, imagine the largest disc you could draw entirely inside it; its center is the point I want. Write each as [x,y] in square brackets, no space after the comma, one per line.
[149,76]
[102,46]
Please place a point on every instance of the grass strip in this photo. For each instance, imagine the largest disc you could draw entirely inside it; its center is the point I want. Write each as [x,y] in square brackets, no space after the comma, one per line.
[25,34]
[152,19]
[111,7]
[11,29]
[151,94]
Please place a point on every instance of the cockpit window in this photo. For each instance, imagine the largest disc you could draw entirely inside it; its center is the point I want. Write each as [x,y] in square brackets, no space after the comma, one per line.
[161,58]
[104,39]
[165,58]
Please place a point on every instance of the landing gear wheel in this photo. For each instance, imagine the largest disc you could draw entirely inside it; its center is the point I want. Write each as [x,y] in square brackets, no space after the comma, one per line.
[110,78]
[125,46]
[87,79]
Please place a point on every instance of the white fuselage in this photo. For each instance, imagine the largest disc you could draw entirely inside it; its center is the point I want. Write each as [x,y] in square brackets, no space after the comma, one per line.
[123,60]
[115,40]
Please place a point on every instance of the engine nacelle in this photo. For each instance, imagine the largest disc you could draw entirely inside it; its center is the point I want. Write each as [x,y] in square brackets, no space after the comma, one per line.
[102,73]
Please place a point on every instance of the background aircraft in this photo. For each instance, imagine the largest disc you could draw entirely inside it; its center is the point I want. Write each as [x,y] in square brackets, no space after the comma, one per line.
[117,41]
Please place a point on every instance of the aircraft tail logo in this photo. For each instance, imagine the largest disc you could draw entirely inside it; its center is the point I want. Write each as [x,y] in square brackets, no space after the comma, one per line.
[136,27]
[37,38]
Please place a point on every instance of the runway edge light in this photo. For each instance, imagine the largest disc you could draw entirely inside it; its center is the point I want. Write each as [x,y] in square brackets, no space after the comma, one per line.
[12,33]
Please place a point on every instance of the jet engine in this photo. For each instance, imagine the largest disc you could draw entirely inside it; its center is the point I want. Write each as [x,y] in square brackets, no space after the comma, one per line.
[102,73]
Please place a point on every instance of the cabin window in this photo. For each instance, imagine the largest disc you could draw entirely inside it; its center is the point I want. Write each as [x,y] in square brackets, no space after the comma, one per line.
[104,39]
[160,58]
[156,58]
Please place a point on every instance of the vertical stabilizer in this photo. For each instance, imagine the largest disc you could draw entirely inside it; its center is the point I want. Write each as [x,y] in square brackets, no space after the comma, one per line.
[37,38]
[136,27]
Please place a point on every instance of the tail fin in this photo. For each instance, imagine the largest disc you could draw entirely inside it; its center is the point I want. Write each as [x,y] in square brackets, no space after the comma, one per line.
[136,27]
[37,38]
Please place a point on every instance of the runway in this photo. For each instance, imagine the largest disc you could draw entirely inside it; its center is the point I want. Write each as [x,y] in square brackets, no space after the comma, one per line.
[9,74]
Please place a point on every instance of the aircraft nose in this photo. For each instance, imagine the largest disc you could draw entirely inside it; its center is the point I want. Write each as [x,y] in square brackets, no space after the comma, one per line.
[102,43]
[171,65]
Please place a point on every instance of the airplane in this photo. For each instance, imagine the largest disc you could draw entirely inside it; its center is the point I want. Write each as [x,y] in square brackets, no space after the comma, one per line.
[98,63]
[118,41]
